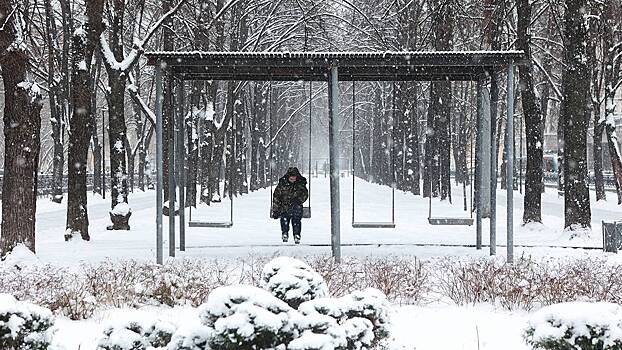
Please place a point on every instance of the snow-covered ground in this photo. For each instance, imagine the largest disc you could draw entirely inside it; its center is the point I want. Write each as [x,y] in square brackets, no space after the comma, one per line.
[414,327]
[254,232]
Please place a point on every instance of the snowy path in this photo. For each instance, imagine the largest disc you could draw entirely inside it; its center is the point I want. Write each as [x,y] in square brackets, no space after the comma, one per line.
[254,233]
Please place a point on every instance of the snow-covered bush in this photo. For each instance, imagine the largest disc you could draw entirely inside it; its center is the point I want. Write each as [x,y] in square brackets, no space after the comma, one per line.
[137,335]
[317,332]
[363,315]
[292,281]
[246,317]
[373,305]
[576,325]
[194,338]
[359,333]
[24,326]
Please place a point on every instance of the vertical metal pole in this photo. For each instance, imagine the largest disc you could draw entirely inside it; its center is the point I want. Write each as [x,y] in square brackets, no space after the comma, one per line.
[353,145]
[181,163]
[494,99]
[478,167]
[171,173]
[333,142]
[509,156]
[159,162]
[103,154]
[520,158]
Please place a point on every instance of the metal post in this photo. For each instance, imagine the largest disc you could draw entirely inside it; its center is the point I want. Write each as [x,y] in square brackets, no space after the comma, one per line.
[103,153]
[478,168]
[333,142]
[520,158]
[181,157]
[494,99]
[171,173]
[509,156]
[159,156]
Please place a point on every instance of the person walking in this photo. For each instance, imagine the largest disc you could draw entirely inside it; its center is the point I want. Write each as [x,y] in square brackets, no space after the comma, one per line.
[289,195]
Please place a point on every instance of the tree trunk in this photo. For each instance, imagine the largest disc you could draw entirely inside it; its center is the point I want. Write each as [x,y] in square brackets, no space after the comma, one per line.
[192,136]
[597,155]
[117,131]
[575,118]
[611,81]
[56,108]
[532,203]
[98,166]
[80,123]
[22,124]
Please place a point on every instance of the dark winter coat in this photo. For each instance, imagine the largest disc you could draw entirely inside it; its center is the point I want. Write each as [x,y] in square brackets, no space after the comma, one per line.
[288,197]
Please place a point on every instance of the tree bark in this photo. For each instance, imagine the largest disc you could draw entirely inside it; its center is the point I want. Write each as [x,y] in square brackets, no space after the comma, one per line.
[84,45]
[117,130]
[575,117]
[611,79]
[22,124]
[534,123]
[56,108]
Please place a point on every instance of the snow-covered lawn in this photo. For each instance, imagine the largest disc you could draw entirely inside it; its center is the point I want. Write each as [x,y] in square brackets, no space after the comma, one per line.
[436,327]
[254,232]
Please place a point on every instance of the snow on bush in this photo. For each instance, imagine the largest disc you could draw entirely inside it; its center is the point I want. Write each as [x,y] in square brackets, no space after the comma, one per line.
[24,326]
[373,305]
[137,334]
[360,333]
[317,332]
[363,315]
[192,338]
[246,317]
[292,281]
[576,325]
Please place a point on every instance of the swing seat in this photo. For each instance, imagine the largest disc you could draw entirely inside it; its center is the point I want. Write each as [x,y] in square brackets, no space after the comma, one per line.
[306,213]
[224,224]
[373,225]
[447,221]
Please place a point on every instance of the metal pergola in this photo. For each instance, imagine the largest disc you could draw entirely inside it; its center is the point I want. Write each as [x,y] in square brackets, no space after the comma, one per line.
[332,67]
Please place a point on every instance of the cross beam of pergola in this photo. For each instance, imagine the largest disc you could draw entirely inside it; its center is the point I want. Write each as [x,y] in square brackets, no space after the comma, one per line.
[333,67]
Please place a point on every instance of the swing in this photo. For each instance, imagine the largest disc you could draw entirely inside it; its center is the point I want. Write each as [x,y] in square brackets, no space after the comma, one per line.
[306,210]
[219,224]
[372,224]
[454,221]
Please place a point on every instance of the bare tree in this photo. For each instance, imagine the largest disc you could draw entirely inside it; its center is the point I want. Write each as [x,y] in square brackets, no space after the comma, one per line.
[534,123]
[22,124]
[575,116]
[85,42]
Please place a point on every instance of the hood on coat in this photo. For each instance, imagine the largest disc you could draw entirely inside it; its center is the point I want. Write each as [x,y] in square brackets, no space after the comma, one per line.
[293,171]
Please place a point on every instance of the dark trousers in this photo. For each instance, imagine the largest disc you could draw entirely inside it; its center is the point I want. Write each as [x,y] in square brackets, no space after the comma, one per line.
[294,215]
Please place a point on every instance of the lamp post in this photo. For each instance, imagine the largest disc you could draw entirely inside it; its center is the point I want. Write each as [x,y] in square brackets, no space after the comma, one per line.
[104,110]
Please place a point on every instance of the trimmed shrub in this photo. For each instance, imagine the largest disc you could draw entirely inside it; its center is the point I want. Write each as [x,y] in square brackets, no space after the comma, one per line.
[317,332]
[576,325]
[246,318]
[292,281]
[137,335]
[372,305]
[195,338]
[24,326]
[364,315]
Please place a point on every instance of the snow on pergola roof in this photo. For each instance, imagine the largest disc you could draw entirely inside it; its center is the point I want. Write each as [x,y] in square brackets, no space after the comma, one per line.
[358,66]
